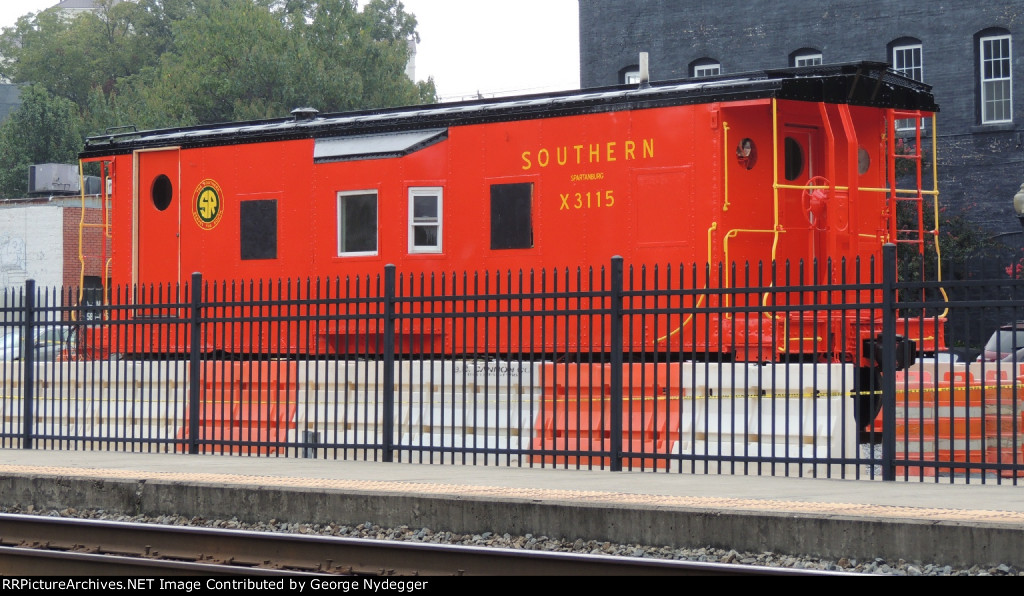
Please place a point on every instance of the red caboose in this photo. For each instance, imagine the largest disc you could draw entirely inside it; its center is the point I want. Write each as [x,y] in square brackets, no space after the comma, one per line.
[788,165]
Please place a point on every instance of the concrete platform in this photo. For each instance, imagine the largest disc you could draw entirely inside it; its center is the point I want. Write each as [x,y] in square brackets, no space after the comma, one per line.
[956,524]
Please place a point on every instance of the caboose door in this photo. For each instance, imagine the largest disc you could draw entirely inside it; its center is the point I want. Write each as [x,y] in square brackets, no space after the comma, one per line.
[157,208]
[800,168]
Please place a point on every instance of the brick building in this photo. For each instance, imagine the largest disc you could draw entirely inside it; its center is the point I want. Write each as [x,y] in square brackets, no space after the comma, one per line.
[970,52]
[44,239]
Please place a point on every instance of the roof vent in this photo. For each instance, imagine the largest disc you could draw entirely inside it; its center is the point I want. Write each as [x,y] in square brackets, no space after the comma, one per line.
[645,71]
[300,114]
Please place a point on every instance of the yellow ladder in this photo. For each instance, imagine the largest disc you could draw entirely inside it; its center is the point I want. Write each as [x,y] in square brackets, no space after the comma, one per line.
[106,174]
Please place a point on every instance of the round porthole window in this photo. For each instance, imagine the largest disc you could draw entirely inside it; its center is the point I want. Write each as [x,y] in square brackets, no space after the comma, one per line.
[863,161]
[746,153]
[162,192]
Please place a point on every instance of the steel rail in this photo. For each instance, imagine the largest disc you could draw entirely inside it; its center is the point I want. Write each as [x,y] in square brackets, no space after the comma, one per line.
[39,562]
[240,552]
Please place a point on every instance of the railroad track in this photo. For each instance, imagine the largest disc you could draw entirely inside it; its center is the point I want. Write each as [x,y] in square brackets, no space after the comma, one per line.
[48,546]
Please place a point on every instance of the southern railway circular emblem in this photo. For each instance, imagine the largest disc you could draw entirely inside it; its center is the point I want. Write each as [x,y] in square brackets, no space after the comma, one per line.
[207,205]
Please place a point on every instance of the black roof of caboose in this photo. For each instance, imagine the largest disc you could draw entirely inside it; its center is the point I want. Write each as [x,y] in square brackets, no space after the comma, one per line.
[860,83]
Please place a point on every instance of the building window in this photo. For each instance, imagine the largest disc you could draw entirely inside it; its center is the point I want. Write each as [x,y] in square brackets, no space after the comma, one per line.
[709,70]
[630,75]
[907,60]
[996,79]
[425,220]
[705,67]
[807,60]
[357,223]
[511,216]
[805,57]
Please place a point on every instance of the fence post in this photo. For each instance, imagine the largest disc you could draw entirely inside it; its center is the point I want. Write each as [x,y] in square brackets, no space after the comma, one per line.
[28,363]
[195,340]
[615,314]
[888,388]
[389,362]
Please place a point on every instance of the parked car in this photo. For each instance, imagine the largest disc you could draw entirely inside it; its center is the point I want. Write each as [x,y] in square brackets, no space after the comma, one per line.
[940,358]
[50,343]
[1006,344]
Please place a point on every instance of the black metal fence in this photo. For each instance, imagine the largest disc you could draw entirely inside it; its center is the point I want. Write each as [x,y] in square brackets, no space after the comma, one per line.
[802,370]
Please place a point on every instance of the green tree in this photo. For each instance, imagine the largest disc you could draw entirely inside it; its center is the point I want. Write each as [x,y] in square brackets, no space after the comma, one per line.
[240,60]
[162,63]
[218,60]
[44,129]
[71,56]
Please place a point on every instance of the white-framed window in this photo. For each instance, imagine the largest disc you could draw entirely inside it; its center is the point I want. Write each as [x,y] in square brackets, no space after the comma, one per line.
[996,79]
[425,219]
[908,61]
[631,77]
[707,70]
[807,60]
[357,223]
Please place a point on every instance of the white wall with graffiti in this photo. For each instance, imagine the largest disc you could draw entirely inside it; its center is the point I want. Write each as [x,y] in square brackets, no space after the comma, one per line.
[31,245]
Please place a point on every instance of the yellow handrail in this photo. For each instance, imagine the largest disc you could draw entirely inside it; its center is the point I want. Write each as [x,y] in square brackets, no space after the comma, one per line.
[83,224]
[725,170]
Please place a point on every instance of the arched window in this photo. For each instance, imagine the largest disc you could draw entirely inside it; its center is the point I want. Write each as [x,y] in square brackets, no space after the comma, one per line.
[805,57]
[705,67]
[907,58]
[630,75]
[995,76]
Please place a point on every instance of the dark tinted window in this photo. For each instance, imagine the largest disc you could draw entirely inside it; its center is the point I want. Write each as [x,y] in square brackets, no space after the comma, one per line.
[794,159]
[511,216]
[259,229]
[357,223]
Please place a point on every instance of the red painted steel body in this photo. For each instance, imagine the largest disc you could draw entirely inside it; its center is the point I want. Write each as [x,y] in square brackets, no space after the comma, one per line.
[758,177]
